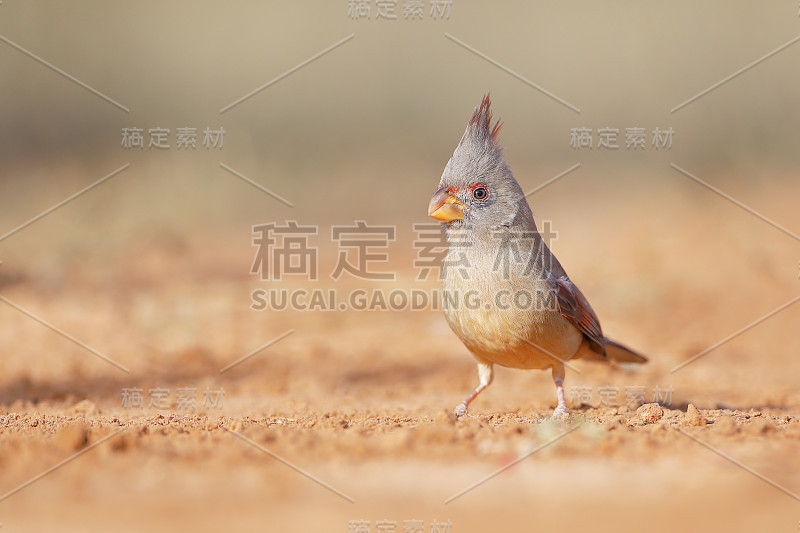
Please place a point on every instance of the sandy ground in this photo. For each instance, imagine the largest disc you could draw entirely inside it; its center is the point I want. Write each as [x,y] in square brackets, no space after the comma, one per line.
[345,423]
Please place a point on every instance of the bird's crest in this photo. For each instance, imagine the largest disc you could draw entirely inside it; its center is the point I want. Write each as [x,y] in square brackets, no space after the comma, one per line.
[480,125]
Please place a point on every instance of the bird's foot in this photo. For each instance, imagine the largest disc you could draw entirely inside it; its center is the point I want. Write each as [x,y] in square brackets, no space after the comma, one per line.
[461,410]
[561,412]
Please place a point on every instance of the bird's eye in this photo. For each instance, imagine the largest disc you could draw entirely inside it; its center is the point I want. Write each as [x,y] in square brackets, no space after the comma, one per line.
[480,193]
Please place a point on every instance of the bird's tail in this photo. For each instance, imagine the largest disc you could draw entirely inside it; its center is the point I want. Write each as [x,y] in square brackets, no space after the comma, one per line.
[617,352]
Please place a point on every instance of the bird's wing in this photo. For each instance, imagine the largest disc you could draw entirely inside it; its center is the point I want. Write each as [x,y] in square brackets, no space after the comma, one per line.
[574,307]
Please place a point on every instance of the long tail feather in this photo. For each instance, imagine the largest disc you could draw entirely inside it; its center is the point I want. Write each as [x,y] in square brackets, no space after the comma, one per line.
[623,354]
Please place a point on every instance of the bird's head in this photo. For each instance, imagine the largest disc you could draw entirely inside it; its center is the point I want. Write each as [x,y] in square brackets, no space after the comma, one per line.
[477,189]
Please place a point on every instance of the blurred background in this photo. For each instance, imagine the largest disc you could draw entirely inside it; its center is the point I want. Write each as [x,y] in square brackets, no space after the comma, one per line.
[153,266]
[382,111]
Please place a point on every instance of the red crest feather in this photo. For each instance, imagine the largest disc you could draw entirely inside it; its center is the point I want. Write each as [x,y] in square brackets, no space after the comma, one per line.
[481,121]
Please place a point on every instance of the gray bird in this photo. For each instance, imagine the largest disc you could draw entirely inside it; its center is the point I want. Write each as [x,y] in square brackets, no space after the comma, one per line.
[505,294]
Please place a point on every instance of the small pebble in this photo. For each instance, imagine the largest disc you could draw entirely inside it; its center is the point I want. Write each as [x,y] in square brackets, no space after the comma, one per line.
[693,417]
[649,413]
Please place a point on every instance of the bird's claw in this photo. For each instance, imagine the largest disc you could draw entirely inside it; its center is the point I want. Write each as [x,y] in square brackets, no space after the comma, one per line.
[461,410]
[560,412]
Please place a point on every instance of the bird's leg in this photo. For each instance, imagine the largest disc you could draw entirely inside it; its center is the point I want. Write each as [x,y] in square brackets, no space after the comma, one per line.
[485,376]
[558,378]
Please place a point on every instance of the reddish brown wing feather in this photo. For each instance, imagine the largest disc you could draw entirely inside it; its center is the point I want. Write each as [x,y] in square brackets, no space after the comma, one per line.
[575,308]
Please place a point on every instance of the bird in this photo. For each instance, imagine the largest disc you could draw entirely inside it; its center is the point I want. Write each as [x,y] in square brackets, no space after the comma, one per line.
[504,293]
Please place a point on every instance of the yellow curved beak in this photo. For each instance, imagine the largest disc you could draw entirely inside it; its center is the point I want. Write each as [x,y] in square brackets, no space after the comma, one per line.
[445,207]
